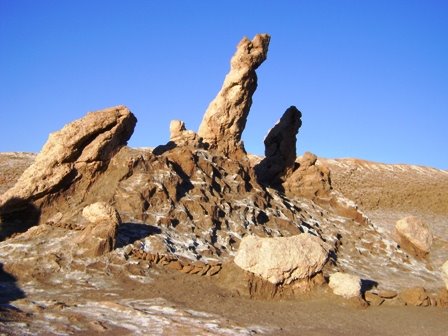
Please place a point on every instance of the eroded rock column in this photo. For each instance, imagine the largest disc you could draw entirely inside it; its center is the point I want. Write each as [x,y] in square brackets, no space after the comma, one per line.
[280,148]
[226,116]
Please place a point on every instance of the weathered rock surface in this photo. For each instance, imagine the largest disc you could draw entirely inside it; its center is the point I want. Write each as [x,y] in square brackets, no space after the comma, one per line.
[226,116]
[445,273]
[282,260]
[82,147]
[414,235]
[346,285]
[415,296]
[280,149]
[99,236]
[310,179]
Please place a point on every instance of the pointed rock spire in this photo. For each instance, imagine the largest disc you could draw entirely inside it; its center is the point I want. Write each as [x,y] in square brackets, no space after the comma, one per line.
[280,148]
[225,118]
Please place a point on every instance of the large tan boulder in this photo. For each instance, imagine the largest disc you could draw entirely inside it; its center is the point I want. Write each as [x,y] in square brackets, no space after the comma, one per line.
[99,236]
[225,119]
[445,273]
[346,285]
[84,144]
[280,148]
[415,236]
[281,260]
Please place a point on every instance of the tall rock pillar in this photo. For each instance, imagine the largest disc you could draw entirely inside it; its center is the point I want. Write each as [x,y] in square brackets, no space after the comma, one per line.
[225,118]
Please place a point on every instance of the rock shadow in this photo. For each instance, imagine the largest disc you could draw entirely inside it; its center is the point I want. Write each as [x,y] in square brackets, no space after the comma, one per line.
[9,291]
[159,150]
[17,216]
[267,175]
[129,233]
[367,285]
[183,188]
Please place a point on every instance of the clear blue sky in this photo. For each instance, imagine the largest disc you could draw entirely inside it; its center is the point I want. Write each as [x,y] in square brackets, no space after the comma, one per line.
[370,77]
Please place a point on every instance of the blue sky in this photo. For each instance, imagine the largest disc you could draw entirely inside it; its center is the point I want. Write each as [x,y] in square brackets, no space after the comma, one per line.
[370,77]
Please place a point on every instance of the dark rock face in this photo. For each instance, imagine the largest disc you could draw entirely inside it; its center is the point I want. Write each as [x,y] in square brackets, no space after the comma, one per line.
[280,149]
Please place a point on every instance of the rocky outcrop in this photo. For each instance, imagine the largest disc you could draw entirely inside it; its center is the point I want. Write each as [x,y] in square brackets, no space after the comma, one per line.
[282,260]
[310,179]
[180,135]
[445,273]
[82,147]
[99,236]
[225,118]
[346,285]
[280,149]
[414,235]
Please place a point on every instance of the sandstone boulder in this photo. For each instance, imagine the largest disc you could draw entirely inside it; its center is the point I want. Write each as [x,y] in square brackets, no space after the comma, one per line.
[87,142]
[414,235]
[99,236]
[282,260]
[280,148]
[346,285]
[225,118]
[445,273]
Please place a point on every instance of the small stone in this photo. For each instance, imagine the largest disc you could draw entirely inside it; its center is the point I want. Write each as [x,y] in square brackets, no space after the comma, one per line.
[415,296]
[415,235]
[187,269]
[175,265]
[214,270]
[387,294]
[373,299]
[204,270]
[346,285]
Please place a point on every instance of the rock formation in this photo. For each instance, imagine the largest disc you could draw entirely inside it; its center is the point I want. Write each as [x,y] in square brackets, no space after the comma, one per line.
[99,236]
[346,285]
[310,179]
[225,118]
[280,149]
[190,207]
[282,260]
[414,235]
[82,147]
[180,135]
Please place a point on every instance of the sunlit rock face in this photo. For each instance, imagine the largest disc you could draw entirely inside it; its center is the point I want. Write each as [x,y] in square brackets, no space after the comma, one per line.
[225,119]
